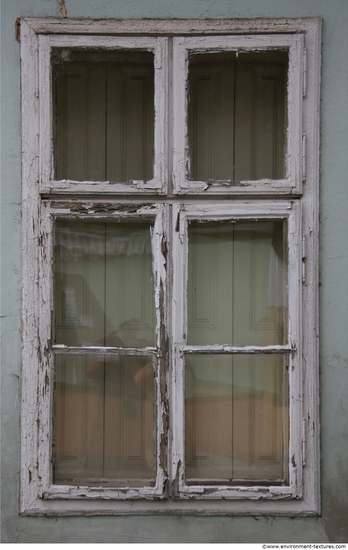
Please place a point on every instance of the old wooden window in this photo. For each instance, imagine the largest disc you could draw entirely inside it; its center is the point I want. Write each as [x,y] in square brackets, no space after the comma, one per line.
[169,253]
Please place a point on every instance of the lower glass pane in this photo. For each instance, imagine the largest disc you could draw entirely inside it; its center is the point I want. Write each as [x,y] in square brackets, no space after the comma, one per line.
[104,420]
[237,415]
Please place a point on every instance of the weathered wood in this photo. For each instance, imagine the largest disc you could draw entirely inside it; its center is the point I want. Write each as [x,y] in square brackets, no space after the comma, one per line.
[158,183]
[291,183]
[302,37]
[31,350]
[100,350]
[225,349]
[165,26]
[252,210]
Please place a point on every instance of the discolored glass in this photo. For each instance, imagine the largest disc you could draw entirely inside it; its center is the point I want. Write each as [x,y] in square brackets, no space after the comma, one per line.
[237,416]
[104,420]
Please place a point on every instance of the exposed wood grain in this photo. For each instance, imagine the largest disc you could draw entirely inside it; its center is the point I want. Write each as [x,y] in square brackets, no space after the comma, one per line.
[189,27]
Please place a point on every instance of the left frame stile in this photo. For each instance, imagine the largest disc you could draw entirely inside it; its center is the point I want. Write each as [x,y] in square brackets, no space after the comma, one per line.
[30,257]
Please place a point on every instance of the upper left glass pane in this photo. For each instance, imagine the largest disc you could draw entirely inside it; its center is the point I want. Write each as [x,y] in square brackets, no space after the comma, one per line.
[103,115]
[104,289]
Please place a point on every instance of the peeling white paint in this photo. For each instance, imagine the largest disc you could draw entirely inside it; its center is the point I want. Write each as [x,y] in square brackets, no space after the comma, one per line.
[286,199]
[238,210]
[164,27]
[159,47]
[292,182]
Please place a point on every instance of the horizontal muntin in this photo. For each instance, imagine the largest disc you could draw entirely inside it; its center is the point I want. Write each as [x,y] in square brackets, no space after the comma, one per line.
[100,350]
[228,349]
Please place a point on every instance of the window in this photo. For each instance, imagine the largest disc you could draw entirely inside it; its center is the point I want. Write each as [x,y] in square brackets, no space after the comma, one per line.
[170,187]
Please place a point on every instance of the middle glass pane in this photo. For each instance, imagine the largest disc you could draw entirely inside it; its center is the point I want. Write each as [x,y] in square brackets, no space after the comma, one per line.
[104,290]
[237,280]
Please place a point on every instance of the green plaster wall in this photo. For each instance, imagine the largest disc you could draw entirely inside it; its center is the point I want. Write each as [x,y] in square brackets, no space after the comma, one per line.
[333,525]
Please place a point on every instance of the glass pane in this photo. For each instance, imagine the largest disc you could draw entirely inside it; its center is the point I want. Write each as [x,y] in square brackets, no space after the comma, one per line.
[104,290]
[237,418]
[104,419]
[237,115]
[237,280]
[104,115]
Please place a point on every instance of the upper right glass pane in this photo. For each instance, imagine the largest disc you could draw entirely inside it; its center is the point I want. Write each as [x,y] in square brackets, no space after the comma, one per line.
[237,115]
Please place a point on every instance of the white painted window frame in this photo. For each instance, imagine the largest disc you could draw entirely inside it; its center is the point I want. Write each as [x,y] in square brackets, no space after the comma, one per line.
[258,210]
[40,370]
[40,198]
[182,47]
[159,47]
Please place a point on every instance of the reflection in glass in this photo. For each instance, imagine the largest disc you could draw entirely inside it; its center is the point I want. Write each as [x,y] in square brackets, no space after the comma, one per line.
[237,279]
[236,418]
[237,115]
[104,115]
[104,419]
[104,291]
